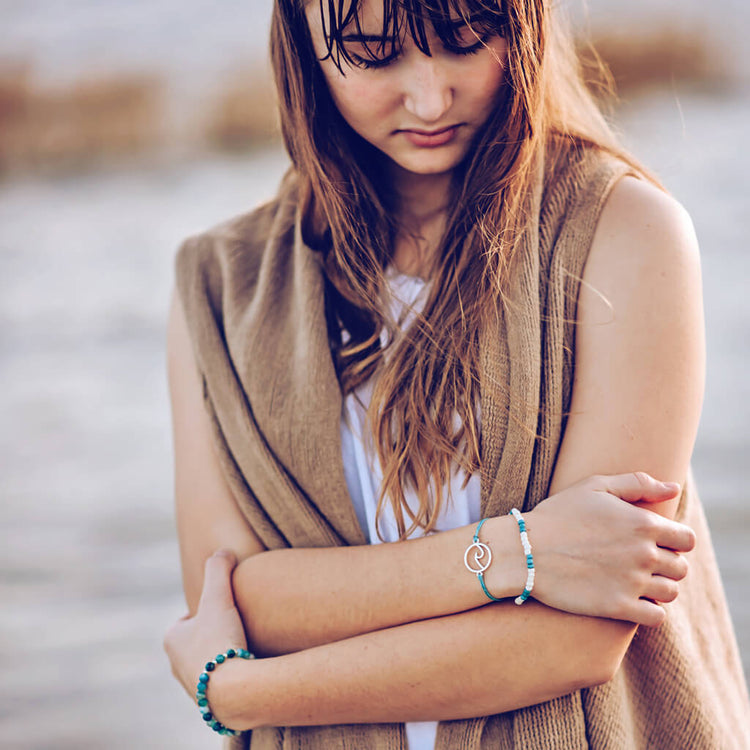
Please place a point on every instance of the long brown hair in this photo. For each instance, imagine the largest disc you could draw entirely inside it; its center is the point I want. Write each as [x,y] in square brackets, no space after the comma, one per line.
[431,375]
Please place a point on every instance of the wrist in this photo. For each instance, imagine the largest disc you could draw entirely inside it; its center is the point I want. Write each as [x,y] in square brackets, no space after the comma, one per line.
[506,576]
[216,691]
[232,695]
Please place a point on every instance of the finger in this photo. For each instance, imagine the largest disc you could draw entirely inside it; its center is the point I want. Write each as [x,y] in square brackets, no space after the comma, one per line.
[638,485]
[671,565]
[675,536]
[644,612]
[661,589]
[217,580]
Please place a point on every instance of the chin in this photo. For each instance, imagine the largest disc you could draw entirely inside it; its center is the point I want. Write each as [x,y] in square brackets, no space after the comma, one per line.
[429,164]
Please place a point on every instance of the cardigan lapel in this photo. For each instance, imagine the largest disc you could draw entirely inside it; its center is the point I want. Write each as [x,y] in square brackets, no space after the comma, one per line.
[315,421]
[511,375]
[296,394]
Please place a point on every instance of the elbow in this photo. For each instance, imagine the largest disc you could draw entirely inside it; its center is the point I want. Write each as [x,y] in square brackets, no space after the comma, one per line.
[600,672]
[597,671]
[246,596]
[603,658]
[251,598]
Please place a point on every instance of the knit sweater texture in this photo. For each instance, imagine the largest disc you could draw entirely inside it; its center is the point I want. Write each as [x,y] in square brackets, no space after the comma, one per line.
[253,294]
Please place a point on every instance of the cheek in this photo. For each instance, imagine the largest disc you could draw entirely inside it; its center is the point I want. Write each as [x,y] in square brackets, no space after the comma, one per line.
[360,101]
[487,80]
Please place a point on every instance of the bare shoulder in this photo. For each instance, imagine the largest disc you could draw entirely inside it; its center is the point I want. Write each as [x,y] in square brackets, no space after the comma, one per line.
[644,264]
[639,351]
[645,238]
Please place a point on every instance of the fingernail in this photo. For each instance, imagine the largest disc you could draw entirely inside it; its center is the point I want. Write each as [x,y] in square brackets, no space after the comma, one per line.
[223,553]
[671,486]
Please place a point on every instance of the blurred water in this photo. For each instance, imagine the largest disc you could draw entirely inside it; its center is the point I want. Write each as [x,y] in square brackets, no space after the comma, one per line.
[89,562]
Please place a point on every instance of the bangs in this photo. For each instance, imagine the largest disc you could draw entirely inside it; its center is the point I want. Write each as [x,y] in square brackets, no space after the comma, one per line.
[458,24]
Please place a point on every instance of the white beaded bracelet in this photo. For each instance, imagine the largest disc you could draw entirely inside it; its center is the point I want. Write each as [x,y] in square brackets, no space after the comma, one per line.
[529,557]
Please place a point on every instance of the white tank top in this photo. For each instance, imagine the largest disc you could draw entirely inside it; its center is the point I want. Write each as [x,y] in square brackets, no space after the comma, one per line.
[364,476]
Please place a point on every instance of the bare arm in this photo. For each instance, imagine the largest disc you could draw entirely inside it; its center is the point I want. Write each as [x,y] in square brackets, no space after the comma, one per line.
[493,659]
[207,515]
[637,400]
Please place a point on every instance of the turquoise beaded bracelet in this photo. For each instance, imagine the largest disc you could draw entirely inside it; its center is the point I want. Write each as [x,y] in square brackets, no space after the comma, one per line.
[530,571]
[480,551]
[200,694]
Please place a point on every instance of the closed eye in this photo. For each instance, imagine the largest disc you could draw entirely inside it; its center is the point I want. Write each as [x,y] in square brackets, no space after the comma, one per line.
[373,62]
[369,51]
[471,49]
[370,48]
[468,41]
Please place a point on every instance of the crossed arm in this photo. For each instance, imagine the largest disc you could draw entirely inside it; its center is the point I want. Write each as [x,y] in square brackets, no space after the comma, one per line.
[403,637]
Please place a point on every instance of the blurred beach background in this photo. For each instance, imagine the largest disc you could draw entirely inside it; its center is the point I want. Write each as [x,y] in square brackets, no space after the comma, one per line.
[124,127]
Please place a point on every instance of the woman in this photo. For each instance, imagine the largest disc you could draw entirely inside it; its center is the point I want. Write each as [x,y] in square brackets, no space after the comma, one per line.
[387,351]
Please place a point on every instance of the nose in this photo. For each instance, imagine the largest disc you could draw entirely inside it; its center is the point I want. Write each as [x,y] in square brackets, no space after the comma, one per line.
[428,92]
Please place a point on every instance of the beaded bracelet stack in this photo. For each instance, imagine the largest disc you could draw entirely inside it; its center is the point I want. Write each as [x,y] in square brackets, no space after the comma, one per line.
[483,559]
[530,571]
[200,694]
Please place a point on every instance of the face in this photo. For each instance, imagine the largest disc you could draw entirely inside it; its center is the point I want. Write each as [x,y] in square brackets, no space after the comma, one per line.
[420,110]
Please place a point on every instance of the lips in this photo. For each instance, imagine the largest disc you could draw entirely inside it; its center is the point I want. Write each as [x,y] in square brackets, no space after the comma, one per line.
[431,138]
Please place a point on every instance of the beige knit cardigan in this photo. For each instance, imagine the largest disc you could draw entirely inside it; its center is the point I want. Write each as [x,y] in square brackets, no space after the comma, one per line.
[253,293]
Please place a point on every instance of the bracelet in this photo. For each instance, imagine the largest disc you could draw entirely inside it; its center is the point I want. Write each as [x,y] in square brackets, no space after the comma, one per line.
[529,557]
[481,550]
[200,694]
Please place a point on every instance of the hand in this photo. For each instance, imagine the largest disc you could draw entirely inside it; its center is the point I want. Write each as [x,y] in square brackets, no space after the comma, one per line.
[216,626]
[597,555]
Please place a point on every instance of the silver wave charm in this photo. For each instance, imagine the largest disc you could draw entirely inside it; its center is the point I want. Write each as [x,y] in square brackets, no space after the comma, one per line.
[481,551]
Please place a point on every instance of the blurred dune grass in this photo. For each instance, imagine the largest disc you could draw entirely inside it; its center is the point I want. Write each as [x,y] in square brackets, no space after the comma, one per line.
[117,115]
[96,118]
[662,58]
[244,113]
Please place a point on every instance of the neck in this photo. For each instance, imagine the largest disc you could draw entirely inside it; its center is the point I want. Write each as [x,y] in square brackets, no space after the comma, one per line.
[420,198]
[421,204]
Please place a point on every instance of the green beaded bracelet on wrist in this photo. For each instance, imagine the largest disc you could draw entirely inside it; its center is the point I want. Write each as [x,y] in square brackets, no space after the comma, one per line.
[200,694]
